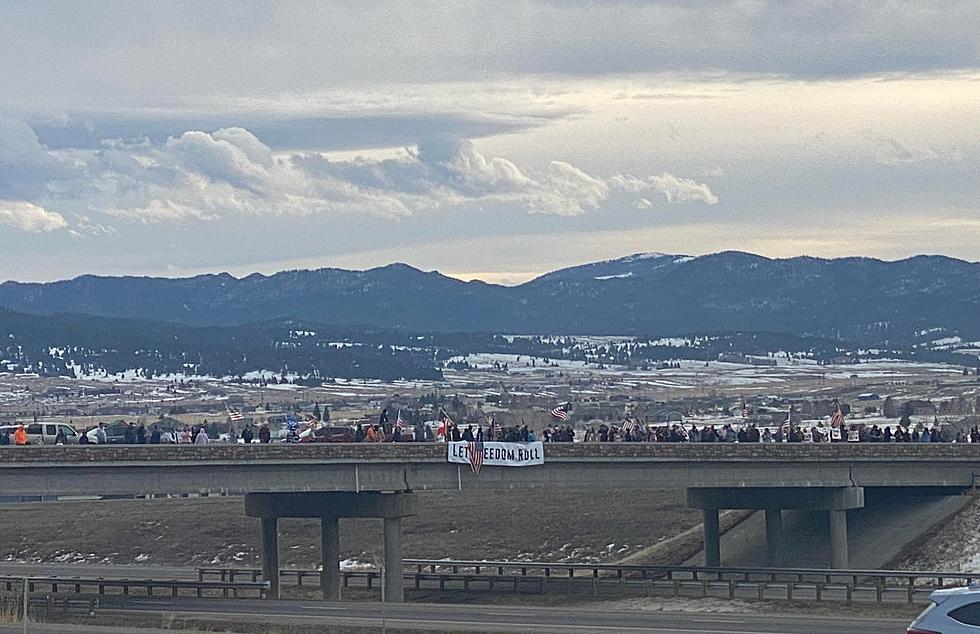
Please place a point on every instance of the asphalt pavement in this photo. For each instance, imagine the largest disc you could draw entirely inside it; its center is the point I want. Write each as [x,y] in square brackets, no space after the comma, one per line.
[509,619]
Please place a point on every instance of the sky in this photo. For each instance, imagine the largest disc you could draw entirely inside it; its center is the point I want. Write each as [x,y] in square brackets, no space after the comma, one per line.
[492,140]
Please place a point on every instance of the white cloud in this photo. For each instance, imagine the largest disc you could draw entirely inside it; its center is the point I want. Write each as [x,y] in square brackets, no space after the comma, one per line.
[891,151]
[208,175]
[674,188]
[682,190]
[30,218]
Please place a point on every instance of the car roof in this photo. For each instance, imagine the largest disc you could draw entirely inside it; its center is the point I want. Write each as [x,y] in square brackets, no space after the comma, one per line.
[966,592]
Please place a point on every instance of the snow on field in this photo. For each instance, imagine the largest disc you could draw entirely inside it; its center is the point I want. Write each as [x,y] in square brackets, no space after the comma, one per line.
[355,564]
[614,277]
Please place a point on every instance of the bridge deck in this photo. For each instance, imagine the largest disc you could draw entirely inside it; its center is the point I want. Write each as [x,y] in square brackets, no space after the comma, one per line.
[162,469]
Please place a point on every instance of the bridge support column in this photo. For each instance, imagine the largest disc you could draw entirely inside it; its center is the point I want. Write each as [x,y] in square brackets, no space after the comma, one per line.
[330,558]
[835,500]
[838,539]
[270,555]
[329,507]
[394,592]
[774,538]
[712,537]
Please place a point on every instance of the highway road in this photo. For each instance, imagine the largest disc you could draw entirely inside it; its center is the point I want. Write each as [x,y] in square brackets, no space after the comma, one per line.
[447,618]
[504,619]
[608,588]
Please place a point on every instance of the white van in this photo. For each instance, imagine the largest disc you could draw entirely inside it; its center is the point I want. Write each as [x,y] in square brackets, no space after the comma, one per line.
[43,433]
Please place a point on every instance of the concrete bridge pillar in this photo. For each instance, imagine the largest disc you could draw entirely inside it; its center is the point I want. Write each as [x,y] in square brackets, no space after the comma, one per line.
[834,500]
[838,538]
[712,537]
[329,507]
[270,554]
[393,560]
[774,538]
[330,558]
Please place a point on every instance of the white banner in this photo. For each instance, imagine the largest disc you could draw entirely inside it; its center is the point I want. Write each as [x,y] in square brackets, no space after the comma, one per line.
[497,454]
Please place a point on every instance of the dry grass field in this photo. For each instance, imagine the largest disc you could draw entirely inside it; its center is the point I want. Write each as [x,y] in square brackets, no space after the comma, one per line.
[572,525]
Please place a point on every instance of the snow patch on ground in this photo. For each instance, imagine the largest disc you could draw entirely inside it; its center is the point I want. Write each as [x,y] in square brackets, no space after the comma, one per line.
[614,277]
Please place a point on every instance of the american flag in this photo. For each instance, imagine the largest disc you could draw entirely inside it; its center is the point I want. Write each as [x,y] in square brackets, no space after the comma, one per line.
[475,452]
[446,422]
[561,412]
[837,420]
[629,425]
[235,415]
[399,422]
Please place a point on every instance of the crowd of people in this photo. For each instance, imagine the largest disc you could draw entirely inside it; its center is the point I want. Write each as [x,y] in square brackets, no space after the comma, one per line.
[203,434]
[385,431]
[630,431]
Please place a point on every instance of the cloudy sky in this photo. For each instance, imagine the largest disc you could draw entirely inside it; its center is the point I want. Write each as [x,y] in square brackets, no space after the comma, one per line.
[495,140]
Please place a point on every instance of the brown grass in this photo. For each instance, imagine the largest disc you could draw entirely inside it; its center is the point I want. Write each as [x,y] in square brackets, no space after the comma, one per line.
[214,531]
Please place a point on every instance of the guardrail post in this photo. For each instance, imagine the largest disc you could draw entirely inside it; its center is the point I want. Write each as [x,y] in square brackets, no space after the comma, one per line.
[911,591]
[819,590]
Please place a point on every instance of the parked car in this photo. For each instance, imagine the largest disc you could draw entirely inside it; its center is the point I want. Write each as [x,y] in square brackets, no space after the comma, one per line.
[951,611]
[115,433]
[44,433]
[329,433]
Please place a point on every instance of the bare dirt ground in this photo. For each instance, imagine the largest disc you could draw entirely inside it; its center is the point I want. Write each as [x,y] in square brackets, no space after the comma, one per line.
[546,525]
[953,545]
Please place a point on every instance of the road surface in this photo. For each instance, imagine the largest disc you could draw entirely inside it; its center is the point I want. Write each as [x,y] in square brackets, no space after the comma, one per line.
[509,619]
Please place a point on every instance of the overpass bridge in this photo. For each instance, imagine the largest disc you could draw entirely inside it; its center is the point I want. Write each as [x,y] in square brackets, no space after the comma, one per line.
[333,481]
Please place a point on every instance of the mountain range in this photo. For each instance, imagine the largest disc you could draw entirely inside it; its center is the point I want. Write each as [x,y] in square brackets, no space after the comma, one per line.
[863,301]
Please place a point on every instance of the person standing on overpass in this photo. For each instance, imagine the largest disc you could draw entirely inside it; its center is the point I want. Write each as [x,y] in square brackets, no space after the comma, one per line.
[202,437]
[97,435]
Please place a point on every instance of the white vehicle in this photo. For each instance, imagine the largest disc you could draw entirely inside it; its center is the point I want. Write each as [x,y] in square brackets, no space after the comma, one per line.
[952,611]
[44,433]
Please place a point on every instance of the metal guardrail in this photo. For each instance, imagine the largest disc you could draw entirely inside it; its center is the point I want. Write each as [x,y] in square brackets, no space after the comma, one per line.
[100,585]
[51,605]
[817,583]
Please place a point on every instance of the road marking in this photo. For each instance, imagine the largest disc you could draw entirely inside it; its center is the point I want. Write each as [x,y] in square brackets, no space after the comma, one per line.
[321,607]
[719,620]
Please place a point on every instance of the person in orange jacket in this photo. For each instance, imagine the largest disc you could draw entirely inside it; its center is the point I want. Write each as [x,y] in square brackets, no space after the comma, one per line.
[20,436]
